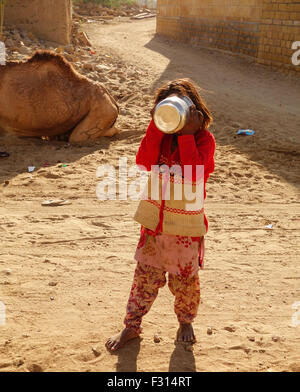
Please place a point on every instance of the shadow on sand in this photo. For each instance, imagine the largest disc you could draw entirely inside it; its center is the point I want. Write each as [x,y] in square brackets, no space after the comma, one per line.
[182,360]
[25,152]
[127,356]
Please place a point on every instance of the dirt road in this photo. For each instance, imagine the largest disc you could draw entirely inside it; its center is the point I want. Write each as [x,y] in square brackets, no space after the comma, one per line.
[65,272]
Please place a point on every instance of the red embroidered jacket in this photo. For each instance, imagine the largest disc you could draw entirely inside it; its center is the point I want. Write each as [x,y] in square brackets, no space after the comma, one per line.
[192,150]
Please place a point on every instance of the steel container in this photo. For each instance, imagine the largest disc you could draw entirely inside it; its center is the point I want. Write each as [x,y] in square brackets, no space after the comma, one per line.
[172,114]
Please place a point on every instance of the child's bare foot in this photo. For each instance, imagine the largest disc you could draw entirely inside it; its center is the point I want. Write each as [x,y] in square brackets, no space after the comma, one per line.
[118,341]
[185,333]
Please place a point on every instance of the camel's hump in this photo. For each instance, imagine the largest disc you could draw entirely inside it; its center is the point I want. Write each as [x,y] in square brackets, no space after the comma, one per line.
[42,56]
[46,56]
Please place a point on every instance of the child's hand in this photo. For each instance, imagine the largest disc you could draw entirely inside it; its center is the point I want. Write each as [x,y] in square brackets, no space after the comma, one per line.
[194,124]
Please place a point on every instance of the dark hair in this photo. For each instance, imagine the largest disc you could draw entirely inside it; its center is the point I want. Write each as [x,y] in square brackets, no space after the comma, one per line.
[188,88]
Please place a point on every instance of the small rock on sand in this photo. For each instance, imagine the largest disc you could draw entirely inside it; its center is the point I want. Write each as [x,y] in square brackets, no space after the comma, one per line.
[18,362]
[96,351]
[9,43]
[34,368]
[209,331]
[230,328]
[123,112]
[156,338]
[24,50]
[276,338]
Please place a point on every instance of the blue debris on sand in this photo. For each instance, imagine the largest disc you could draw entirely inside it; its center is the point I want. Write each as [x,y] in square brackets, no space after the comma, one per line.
[247,132]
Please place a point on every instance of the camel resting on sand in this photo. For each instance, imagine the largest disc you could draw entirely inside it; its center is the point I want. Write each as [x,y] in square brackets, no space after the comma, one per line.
[45,96]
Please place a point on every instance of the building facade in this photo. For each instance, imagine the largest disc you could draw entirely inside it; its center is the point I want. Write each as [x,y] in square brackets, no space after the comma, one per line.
[48,19]
[264,29]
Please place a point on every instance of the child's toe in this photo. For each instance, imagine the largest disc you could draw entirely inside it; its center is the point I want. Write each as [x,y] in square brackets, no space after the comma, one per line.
[115,346]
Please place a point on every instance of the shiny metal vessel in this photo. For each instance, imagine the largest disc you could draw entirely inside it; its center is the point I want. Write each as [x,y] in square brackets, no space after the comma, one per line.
[172,113]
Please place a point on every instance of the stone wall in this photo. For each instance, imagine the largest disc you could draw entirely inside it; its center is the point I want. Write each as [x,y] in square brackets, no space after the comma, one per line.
[279,28]
[263,29]
[48,19]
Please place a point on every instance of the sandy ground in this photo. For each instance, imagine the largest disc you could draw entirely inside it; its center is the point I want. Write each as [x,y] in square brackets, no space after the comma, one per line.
[66,272]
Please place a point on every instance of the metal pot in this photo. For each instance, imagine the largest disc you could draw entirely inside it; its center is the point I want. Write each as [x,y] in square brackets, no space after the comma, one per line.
[172,114]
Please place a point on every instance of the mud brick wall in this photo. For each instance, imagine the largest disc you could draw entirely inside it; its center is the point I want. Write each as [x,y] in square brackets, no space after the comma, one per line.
[279,28]
[263,29]
[48,19]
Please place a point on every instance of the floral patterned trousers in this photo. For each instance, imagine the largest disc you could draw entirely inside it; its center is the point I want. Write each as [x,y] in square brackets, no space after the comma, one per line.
[146,283]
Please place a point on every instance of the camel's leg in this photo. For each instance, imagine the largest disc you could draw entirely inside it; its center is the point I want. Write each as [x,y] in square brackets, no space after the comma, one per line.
[86,130]
[96,123]
[111,132]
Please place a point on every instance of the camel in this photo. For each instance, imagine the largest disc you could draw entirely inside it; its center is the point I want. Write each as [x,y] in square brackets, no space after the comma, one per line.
[45,96]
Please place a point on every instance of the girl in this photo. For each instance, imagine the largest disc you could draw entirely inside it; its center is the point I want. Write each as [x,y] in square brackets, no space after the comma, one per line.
[172,239]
